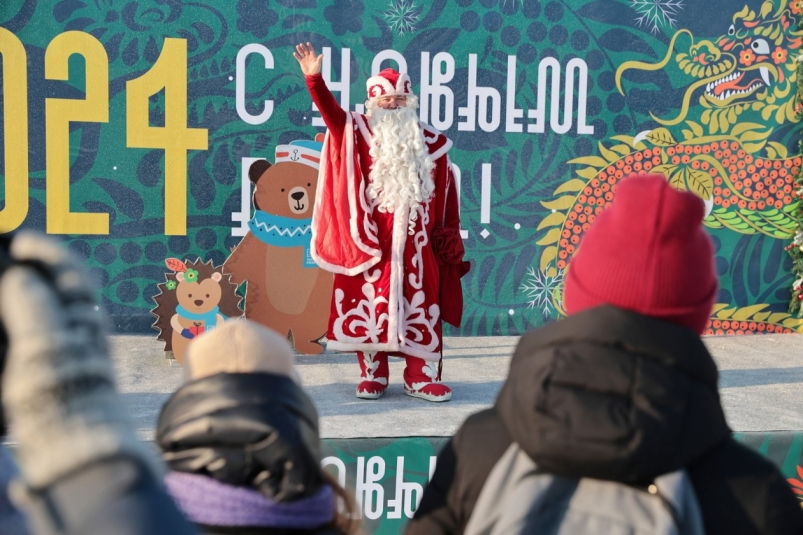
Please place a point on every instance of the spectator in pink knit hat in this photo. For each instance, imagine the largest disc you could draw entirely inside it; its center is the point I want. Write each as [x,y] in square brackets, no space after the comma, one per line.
[623,390]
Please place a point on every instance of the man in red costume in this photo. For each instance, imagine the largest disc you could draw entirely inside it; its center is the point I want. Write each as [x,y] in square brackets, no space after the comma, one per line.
[386,222]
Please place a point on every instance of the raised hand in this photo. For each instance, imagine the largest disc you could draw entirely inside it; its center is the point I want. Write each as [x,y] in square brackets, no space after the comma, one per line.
[58,384]
[309,62]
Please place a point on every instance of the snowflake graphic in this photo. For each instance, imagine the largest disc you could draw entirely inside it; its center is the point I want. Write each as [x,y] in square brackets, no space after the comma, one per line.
[403,15]
[540,288]
[657,13]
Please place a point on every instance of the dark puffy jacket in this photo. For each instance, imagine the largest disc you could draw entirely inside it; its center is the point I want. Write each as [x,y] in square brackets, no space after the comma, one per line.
[613,395]
[253,429]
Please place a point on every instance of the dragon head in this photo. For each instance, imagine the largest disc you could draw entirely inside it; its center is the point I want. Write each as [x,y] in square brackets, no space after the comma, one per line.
[750,65]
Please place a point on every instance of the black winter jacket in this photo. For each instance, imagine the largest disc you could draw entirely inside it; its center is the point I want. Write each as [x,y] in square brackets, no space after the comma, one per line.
[614,395]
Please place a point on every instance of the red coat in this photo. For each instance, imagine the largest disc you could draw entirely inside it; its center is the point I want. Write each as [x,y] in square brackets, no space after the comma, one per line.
[391,289]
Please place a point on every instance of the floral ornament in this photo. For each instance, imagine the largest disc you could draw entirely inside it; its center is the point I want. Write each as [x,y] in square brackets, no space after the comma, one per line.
[746,57]
[779,56]
[171,285]
[797,7]
[255,17]
[797,484]
[191,275]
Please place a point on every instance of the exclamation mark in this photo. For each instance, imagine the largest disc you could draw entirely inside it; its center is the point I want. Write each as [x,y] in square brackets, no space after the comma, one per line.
[485,201]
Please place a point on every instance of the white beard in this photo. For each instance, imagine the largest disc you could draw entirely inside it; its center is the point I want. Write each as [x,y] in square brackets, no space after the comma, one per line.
[401,173]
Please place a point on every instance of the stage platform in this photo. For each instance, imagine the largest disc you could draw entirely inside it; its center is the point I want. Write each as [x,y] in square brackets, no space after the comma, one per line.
[760,383]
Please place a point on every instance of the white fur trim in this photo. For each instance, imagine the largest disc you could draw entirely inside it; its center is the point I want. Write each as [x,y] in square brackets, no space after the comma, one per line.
[379,86]
[316,210]
[363,127]
[370,395]
[396,264]
[431,134]
[449,181]
[349,347]
[423,395]
[340,270]
[348,132]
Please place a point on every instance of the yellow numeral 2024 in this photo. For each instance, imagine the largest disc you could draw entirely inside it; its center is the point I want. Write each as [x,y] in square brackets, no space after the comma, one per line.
[168,73]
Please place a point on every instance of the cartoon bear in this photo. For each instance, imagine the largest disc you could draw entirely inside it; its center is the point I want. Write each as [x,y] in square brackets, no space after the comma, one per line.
[197,298]
[286,290]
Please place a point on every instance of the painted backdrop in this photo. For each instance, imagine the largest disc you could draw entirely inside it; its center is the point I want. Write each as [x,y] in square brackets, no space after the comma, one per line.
[140,113]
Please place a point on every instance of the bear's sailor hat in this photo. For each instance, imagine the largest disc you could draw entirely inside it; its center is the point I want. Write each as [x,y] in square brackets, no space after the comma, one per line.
[301,151]
[388,83]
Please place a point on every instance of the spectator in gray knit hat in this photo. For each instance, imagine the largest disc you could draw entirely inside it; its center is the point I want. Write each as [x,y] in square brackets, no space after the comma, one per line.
[241,440]
[82,468]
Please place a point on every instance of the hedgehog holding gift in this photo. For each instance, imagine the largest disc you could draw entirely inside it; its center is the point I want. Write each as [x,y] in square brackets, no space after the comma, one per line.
[196,299]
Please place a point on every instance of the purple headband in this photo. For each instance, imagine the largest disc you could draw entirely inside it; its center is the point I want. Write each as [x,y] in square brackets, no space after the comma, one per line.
[209,502]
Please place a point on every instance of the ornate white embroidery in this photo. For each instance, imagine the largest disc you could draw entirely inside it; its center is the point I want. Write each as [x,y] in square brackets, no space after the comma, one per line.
[372,276]
[430,369]
[405,323]
[369,226]
[371,365]
[420,327]
[364,316]
[420,240]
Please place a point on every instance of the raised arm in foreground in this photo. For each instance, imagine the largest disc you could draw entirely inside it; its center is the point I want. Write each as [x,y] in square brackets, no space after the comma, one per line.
[83,468]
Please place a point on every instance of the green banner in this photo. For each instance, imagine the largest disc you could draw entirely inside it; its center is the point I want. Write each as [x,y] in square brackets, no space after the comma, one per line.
[126,125]
[387,475]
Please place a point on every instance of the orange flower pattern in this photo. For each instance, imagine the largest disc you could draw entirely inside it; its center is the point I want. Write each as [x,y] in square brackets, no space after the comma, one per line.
[779,56]
[797,7]
[746,57]
[797,484]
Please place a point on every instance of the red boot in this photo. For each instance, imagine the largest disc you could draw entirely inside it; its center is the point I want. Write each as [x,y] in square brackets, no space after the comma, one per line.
[374,373]
[422,379]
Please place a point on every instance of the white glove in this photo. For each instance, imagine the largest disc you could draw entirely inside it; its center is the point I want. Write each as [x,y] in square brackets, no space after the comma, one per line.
[58,388]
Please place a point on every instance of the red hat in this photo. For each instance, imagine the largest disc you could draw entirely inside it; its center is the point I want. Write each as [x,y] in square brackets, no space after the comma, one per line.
[388,83]
[647,253]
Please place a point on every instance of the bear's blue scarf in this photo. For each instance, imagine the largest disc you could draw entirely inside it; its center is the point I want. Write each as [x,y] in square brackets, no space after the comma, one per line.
[209,318]
[284,232]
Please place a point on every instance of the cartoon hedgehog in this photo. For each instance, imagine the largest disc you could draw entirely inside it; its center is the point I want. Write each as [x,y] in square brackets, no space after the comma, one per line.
[196,298]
